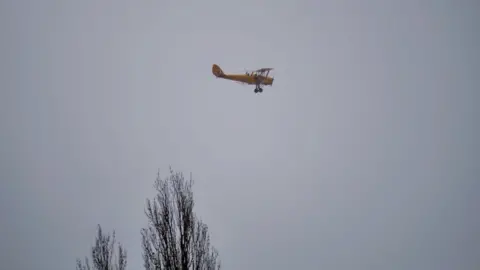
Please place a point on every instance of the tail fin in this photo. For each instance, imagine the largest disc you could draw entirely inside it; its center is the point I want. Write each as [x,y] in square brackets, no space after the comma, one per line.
[217,71]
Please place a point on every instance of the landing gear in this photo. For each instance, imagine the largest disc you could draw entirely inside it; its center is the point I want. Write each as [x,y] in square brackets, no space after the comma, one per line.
[258,90]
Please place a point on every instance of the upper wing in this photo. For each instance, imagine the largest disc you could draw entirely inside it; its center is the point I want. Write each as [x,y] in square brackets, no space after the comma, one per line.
[264,69]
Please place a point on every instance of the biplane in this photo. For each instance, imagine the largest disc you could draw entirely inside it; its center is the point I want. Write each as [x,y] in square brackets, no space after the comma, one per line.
[257,77]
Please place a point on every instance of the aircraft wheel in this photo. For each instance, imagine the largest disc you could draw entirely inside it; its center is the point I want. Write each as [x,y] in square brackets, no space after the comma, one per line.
[255,91]
[260,90]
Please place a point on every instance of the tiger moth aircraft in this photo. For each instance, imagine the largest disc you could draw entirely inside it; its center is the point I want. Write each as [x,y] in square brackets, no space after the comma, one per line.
[257,77]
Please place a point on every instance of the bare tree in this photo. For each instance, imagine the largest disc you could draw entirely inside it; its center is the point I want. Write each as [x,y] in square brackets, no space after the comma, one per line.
[175,238]
[103,255]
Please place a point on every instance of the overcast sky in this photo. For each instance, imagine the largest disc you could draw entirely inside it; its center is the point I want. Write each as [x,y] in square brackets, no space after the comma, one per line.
[363,155]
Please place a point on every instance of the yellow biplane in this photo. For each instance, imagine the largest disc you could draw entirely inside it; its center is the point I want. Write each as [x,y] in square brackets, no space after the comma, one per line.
[258,77]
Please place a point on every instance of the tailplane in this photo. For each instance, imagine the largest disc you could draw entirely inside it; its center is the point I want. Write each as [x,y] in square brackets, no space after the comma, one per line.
[217,71]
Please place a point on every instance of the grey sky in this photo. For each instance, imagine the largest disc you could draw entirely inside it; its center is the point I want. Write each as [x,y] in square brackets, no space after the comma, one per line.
[361,156]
